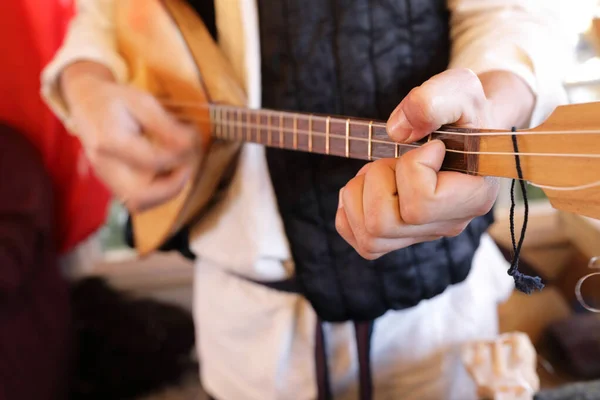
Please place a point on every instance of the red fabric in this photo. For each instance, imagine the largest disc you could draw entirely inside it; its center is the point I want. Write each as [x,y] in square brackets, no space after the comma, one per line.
[30,33]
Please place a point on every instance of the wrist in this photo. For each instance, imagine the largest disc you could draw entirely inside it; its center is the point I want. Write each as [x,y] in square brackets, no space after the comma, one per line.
[511,99]
[76,76]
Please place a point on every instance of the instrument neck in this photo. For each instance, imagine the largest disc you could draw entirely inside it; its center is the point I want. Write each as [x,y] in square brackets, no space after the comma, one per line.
[330,135]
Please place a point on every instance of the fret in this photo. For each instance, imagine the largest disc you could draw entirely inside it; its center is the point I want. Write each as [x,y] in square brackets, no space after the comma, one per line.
[218,123]
[370,144]
[281,130]
[213,121]
[255,125]
[295,140]
[230,124]
[327,130]
[359,139]
[269,131]
[239,123]
[226,125]
[310,134]
[258,127]
[248,126]
[347,138]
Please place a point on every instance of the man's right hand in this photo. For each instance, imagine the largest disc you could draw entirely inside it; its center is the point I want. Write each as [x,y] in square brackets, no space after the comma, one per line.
[136,148]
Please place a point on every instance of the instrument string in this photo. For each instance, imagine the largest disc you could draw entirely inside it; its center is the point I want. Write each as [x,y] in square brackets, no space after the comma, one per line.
[411,145]
[375,124]
[231,124]
[304,132]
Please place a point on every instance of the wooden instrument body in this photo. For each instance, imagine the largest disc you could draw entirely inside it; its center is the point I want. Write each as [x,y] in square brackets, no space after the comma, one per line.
[171,54]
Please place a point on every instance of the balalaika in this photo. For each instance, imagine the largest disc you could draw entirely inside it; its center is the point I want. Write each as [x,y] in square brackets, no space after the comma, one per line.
[171,55]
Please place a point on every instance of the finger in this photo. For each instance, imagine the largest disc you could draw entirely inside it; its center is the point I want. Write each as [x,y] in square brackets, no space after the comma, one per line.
[160,125]
[367,245]
[381,208]
[453,96]
[430,196]
[137,152]
[342,225]
[160,190]
[381,205]
[119,137]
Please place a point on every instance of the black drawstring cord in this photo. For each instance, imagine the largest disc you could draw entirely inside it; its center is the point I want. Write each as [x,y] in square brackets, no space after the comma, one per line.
[524,283]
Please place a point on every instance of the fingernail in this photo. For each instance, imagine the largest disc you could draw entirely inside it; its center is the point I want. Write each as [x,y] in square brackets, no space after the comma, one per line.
[398,126]
[340,198]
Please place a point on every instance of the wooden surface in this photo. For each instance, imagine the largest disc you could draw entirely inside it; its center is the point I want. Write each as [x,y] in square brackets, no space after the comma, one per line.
[181,65]
[578,128]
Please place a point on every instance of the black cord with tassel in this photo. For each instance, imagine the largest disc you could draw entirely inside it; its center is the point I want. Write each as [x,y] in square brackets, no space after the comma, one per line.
[524,283]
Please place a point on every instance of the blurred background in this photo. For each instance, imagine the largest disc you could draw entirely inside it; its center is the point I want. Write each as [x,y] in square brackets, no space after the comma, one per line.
[155,293]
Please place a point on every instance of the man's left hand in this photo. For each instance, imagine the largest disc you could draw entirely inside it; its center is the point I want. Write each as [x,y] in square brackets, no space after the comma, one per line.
[395,203]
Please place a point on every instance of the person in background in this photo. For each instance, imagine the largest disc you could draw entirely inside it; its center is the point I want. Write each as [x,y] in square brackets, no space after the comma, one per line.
[419,64]
[51,208]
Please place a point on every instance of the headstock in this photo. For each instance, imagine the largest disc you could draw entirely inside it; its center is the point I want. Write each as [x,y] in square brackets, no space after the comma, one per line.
[171,55]
[561,156]
[576,184]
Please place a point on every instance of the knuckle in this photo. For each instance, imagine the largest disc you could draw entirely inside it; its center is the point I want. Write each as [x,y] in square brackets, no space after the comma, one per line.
[484,207]
[456,229]
[375,225]
[414,213]
[368,245]
[474,87]
[369,256]
[420,104]
[339,225]
[466,74]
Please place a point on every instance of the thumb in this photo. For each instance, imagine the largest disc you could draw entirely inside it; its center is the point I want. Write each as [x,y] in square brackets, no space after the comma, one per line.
[417,172]
[427,161]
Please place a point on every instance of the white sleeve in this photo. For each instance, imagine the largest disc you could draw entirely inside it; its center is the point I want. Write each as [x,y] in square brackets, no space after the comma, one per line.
[90,37]
[529,38]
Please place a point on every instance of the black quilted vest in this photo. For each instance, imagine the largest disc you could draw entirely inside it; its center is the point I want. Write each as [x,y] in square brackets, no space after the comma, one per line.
[355,58]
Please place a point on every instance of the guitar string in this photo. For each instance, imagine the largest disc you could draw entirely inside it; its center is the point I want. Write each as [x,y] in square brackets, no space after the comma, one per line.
[261,126]
[375,124]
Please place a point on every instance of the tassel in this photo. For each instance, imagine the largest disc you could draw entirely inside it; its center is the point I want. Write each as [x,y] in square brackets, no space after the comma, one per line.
[524,283]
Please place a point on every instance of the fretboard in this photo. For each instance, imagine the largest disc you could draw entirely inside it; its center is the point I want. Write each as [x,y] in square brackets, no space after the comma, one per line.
[329,135]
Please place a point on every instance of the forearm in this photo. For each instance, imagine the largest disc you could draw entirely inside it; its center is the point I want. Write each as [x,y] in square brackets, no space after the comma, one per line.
[89,44]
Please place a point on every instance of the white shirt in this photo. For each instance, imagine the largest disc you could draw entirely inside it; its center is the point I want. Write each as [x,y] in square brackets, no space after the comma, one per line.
[255,343]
